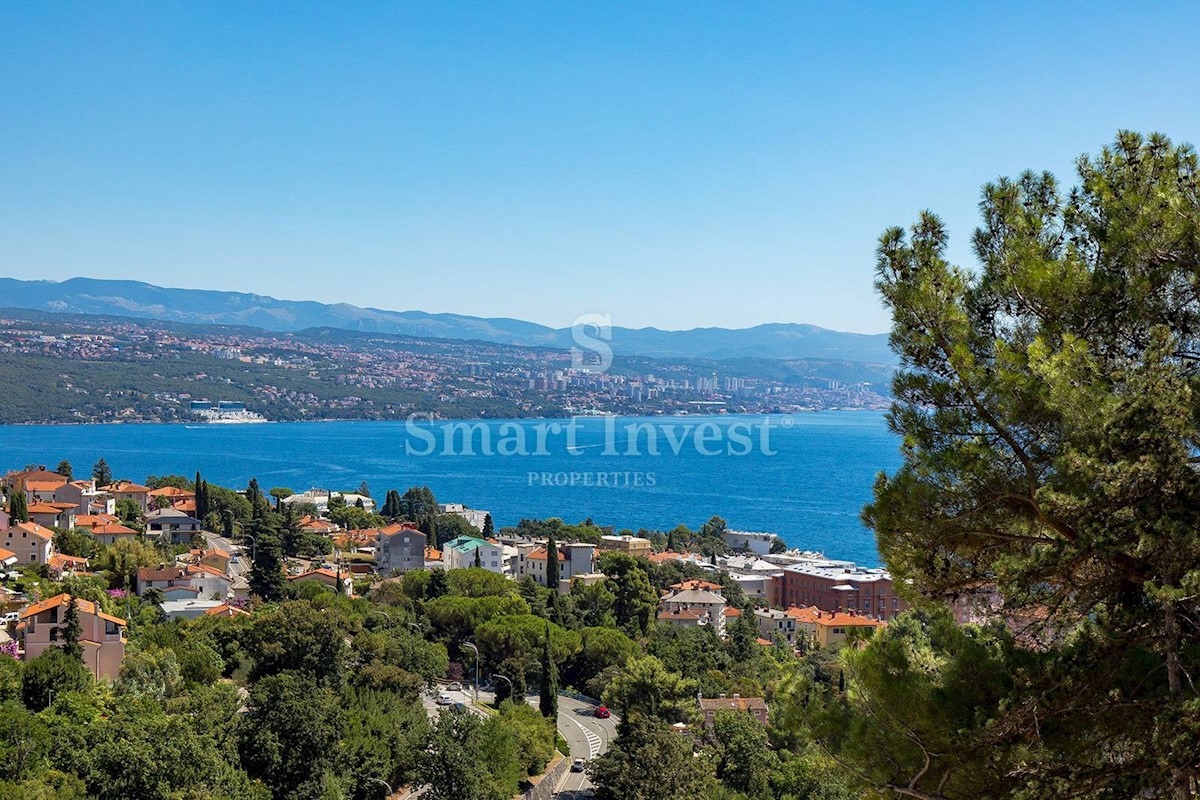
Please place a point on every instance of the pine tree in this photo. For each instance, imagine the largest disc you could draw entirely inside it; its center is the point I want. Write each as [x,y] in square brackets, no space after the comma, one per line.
[18,511]
[548,698]
[64,469]
[488,526]
[552,563]
[438,585]
[72,631]
[101,473]
[266,576]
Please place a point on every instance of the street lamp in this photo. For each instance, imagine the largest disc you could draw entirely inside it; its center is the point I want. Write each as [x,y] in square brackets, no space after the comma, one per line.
[382,782]
[417,628]
[511,689]
[476,649]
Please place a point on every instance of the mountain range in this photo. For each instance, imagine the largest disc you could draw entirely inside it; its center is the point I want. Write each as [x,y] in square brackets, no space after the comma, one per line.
[202,306]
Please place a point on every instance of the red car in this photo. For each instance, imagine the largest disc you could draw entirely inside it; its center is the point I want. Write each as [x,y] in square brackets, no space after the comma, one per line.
[602,713]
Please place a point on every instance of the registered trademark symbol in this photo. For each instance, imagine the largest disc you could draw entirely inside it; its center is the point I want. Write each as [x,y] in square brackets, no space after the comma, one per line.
[789,422]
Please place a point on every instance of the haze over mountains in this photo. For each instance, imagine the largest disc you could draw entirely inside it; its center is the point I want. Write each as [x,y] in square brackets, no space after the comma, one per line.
[146,301]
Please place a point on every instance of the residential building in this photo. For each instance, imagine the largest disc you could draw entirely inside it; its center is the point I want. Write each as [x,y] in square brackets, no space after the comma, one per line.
[836,586]
[630,545]
[52,515]
[128,490]
[113,532]
[754,706]
[691,607]
[400,548]
[319,499]
[461,552]
[749,541]
[38,483]
[189,608]
[327,577]
[32,543]
[209,581]
[62,566]
[471,515]
[102,635]
[85,497]
[573,559]
[772,622]
[173,526]
[831,628]
[160,577]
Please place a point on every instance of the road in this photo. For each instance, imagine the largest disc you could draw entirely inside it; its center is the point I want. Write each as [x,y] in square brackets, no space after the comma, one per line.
[242,566]
[586,736]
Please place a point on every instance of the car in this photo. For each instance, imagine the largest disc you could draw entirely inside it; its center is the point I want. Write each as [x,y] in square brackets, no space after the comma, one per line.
[577,765]
[602,712]
[234,560]
[454,687]
[444,699]
[12,616]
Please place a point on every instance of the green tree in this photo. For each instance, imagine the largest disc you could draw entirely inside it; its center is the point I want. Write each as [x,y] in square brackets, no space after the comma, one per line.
[267,579]
[290,737]
[634,600]
[64,469]
[450,763]
[52,671]
[297,637]
[548,688]
[72,631]
[101,473]
[552,569]
[489,528]
[744,758]
[649,762]
[1047,405]
[18,510]
[24,743]
[645,688]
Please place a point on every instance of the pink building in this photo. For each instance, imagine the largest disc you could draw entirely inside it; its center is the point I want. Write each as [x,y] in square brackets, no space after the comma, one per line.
[102,636]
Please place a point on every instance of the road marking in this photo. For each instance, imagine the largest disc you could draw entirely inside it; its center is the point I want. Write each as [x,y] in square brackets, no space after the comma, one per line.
[593,741]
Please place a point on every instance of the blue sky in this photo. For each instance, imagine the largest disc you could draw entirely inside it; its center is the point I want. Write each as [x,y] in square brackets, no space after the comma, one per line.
[673,164]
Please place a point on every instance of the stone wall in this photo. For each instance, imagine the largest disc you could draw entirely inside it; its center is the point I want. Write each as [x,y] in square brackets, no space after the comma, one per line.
[545,785]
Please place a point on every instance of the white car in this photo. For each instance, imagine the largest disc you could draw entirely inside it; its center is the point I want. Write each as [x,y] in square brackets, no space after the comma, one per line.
[444,699]
[577,765]
[12,616]
[454,687]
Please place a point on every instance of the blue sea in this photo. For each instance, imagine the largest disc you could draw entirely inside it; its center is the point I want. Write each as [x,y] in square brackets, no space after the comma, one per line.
[805,477]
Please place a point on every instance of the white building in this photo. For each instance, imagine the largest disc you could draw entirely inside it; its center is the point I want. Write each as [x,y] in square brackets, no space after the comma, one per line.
[471,515]
[319,499]
[748,541]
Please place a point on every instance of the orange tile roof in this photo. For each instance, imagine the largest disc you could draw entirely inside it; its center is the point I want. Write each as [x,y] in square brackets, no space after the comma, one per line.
[226,610]
[540,554]
[112,529]
[696,584]
[127,487]
[40,485]
[730,611]
[92,520]
[172,491]
[432,554]
[84,606]
[48,508]
[33,528]
[5,555]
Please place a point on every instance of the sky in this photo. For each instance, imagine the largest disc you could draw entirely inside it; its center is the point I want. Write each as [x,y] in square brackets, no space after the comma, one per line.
[672,164]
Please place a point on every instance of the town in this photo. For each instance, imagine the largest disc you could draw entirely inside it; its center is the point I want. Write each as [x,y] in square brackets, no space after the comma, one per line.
[104,369]
[107,579]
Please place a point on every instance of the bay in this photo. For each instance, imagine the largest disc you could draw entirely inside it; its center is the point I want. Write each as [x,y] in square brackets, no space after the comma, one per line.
[808,484]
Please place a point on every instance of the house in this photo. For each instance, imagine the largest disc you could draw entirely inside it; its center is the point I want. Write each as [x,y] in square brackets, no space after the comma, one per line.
[160,577]
[474,516]
[85,497]
[173,497]
[329,577]
[216,558]
[400,548]
[128,490]
[8,558]
[95,520]
[62,566]
[573,559]
[749,542]
[705,586]
[210,582]
[172,525]
[33,543]
[188,608]
[695,607]
[837,586]
[630,545]
[52,515]
[754,706]
[226,610]
[683,558]
[319,499]
[311,524]
[102,636]
[37,483]
[772,622]
[113,532]
[433,558]
[463,552]
[831,628]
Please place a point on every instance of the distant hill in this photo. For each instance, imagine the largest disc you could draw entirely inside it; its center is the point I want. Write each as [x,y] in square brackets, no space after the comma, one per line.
[146,301]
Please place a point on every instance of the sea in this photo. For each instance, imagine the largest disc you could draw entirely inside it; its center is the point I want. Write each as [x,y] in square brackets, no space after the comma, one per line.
[804,477]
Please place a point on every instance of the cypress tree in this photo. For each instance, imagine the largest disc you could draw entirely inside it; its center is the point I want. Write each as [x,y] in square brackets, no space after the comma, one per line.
[72,631]
[488,526]
[17,508]
[548,698]
[478,560]
[552,563]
